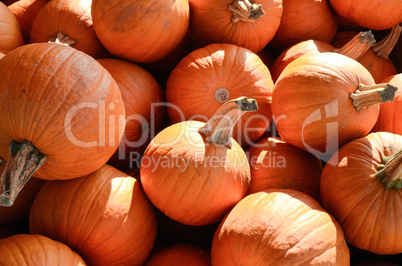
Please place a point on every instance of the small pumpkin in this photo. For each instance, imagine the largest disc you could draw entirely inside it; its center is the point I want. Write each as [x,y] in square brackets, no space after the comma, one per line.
[25,12]
[248,24]
[10,31]
[389,117]
[279,227]
[59,120]
[361,186]
[103,216]
[304,20]
[69,23]
[181,254]
[354,49]
[142,31]
[371,14]
[26,249]
[322,101]
[277,164]
[217,73]
[194,172]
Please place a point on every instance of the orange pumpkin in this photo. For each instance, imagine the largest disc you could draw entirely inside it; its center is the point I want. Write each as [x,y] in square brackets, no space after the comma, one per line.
[361,186]
[372,14]
[142,31]
[10,31]
[217,73]
[304,20]
[70,23]
[25,249]
[277,164]
[25,12]
[104,216]
[279,227]
[181,254]
[322,101]
[145,112]
[248,24]
[60,120]
[354,49]
[194,172]
[389,119]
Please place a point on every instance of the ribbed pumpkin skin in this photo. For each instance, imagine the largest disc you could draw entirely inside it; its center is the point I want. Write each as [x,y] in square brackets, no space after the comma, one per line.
[142,31]
[372,14]
[25,249]
[277,164]
[104,216]
[62,101]
[369,214]
[279,227]
[25,12]
[211,22]
[389,119]
[328,78]
[238,70]
[72,18]
[192,181]
[10,32]
[145,113]
[181,254]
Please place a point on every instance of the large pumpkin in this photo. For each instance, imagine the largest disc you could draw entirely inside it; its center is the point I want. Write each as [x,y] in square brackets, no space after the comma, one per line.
[10,31]
[142,31]
[322,101]
[25,249]
[70,23]
[195,172]
[59,115]
[361,186]
[279,227]
[104,216]
[209,76]
[249,24]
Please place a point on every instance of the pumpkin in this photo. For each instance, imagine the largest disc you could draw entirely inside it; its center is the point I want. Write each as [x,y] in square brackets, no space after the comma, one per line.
[59,120]
[217,73]
[103,216]
[10,32]
[389,117]
[322,101]
[376,59]
[181,254]
[142,31]
[20,209]
[194,172]
[304,20]
[68,22]
[372,14]
[248,24]
[277,164]
[279,227]
[1,55]
[145,112]
[25,12]
[354,49]
[361,186]
[25,249]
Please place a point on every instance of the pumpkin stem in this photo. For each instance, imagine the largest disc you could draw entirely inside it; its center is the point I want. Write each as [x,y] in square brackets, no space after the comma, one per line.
[367,95]
[244,10]
[219,128]
[390,171]
[384,47]
[24,159]
[62,39]
[358,45]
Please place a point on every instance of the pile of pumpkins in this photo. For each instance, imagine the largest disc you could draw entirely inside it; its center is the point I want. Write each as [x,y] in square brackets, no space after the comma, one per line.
[200,132]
